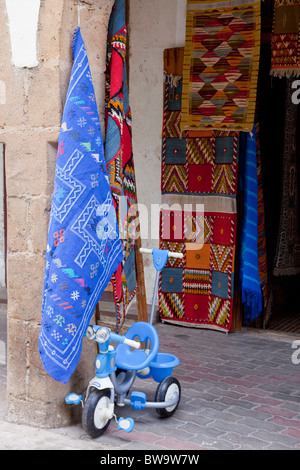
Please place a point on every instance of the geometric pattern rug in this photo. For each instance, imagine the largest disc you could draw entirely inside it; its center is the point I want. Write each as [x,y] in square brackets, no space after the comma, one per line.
[198,167]
[119,159]
[204,162]
[287,256]
[221,62]
[198,290]
[285,43]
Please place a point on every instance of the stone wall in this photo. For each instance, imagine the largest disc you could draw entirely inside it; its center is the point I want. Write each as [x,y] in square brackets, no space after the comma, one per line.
[30,118]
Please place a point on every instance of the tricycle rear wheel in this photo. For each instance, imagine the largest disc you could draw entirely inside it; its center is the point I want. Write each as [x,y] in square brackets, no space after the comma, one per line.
[164,392]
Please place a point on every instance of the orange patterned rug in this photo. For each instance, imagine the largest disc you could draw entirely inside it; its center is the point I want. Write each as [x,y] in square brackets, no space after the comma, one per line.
[221,63]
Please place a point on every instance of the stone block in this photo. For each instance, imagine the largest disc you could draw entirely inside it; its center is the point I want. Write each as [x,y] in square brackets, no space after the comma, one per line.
[17,360]
[44,105]
[38,221]
[29,163]
[12,111]
[25,273]
[17,226]
[49,30]
[38,413]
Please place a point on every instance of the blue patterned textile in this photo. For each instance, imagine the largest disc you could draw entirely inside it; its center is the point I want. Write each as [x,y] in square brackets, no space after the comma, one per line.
[249,273]
[84,247]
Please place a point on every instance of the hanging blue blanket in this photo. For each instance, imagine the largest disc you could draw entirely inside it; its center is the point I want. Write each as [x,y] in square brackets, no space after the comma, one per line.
[84,247]
[249,273]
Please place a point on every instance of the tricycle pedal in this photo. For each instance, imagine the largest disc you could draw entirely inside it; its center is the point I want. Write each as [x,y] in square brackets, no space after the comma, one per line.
[73,399]
[125,424]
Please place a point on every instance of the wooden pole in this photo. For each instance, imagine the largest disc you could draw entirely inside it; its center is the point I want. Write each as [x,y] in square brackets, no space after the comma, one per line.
[140,277]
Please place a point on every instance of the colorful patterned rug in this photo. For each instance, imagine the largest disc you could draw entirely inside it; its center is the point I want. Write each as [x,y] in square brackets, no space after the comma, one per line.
[221,64]
[194,162]
[197,167]
[83,246]
[198,289]
[285,60]
[249,280]
[287,258]
[261,232]
[119,159]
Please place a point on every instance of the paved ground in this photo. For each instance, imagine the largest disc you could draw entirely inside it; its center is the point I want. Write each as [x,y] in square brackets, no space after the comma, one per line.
[239,391]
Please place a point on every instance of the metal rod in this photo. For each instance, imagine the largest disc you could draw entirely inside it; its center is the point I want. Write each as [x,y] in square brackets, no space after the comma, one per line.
[158,404]
[154,298]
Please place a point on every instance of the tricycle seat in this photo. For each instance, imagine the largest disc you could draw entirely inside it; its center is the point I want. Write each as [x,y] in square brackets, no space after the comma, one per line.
[137,359]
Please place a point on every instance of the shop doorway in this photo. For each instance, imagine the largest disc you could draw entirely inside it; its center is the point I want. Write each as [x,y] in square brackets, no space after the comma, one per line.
[280,176]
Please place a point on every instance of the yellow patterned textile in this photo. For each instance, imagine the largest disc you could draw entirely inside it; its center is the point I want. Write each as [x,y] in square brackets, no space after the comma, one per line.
[221,62]
[286,39]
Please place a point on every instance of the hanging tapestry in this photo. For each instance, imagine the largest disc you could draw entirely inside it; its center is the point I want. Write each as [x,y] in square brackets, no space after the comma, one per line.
[119,159]
[83,248]
[199,168]
[221,63]
[261,233]
[198,290]
[287,258]
[193,162]
[285,44]
[249,271]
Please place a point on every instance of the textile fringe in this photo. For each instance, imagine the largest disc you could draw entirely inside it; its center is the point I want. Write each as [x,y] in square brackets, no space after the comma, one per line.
[286,73]
[173,80]
[286,271]
[196,325]
[268,311]
[207,4]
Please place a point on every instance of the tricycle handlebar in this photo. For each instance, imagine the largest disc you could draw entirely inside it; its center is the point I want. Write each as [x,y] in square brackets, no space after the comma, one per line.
[123,339]
[101,334]
[132,343]
[171,254]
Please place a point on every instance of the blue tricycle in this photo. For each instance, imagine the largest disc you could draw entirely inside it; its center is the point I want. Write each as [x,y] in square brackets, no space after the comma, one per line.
[117,368]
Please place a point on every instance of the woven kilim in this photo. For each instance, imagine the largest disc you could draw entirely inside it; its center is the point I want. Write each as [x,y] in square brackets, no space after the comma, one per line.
[204,162]
[285,59]
[249,279]
[287,258]
[221,62]
[83,245]
[119,158]
[261,233]
[198,291]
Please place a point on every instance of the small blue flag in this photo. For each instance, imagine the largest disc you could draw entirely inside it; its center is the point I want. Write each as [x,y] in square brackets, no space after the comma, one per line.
[84,248]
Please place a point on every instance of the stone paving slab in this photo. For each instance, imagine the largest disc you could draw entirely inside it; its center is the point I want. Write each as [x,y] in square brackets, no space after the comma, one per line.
[20,437]
[239,391]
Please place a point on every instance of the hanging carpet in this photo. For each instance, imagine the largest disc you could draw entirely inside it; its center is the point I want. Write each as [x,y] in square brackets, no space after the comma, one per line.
[83,247]
[285,44]
[119,159]
[199,169]
[287,258]
[221,64]
[193,162]
[249,278]
[198,290]
[261,232]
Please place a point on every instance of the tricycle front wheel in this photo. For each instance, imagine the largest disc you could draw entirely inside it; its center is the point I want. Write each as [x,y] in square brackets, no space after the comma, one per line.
[92,417]
[165,392]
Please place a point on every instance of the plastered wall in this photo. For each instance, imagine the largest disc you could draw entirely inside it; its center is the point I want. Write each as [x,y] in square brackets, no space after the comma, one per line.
[154,26]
